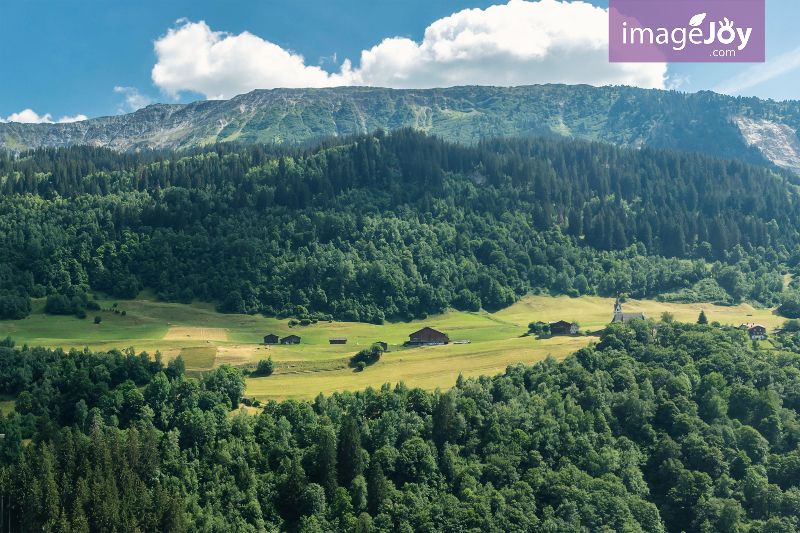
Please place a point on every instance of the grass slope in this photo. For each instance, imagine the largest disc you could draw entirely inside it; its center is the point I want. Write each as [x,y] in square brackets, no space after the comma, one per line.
[316,366]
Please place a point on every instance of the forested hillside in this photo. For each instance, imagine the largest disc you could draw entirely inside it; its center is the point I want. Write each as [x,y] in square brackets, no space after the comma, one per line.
[691,429]
[391,226]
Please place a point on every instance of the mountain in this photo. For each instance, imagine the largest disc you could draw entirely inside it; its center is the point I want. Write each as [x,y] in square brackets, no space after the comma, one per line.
[752,130]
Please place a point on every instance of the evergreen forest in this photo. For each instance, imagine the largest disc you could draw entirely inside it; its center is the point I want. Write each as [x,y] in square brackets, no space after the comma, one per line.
[683,427]
[392,226]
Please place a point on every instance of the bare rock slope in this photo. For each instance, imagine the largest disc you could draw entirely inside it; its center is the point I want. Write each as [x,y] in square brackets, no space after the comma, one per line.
[778,142]
[746,129]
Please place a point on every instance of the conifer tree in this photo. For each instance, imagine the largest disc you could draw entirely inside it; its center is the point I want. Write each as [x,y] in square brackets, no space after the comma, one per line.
[350,458]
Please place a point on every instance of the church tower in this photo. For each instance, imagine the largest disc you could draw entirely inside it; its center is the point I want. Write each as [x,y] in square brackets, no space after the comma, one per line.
[617,312]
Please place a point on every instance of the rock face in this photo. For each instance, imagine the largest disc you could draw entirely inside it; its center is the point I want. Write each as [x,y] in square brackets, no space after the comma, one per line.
[625,116]
[778,142]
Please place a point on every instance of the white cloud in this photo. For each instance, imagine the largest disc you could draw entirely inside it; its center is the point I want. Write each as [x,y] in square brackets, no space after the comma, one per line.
[133,99]
[674,81]
[220,65]
[760,73]
[29,116]
[327,59]
[76,118]
[520,43]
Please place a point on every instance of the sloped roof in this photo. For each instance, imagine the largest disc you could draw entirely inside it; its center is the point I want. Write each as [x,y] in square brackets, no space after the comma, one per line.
[624,317]
[429,329]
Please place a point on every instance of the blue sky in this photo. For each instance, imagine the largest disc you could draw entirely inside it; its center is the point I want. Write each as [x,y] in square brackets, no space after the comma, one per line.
[65,58]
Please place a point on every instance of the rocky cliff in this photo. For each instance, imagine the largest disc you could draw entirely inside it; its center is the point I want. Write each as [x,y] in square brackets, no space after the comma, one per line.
[753,130]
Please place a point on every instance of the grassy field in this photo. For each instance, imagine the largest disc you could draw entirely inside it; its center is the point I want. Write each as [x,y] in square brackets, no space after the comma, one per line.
[207,339]
[6,404]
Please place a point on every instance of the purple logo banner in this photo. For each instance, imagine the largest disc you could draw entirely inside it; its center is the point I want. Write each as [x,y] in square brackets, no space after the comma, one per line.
[715,31]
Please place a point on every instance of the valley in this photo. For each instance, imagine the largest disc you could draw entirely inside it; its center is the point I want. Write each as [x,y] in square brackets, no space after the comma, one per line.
[400,267]
[206,339]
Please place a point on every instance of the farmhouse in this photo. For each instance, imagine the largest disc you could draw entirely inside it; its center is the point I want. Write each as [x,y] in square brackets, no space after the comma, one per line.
[338,340]
[562,327]
[757,332]
[270,339]
[428,336]
[619,316]
[290,339]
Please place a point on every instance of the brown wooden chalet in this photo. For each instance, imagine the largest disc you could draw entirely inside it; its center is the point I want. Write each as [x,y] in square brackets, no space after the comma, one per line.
[271,339]
[562,327]
[290,339]
[337,340]
[756,332]
[428,336]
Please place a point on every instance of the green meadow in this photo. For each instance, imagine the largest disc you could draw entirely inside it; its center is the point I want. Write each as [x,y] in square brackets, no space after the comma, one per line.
[207,339]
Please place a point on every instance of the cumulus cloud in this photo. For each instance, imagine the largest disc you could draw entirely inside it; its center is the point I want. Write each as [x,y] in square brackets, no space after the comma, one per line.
[219,65]
[520,43]
[29,116]
[133,99]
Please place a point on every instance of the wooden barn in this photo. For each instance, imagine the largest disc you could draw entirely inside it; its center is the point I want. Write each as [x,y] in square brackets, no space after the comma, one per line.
[338,340]
[428,336]
[562,327]
[384,346]
[271,339]
[290,339]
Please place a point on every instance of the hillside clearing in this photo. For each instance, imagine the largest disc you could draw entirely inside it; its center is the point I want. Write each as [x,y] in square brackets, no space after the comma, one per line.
[207,339]
[196,333]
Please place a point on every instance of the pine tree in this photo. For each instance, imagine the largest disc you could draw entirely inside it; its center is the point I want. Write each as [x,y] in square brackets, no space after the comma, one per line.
[326,460]
[443,421]
[377,490]
[351,457]
[702,318]
[292,488]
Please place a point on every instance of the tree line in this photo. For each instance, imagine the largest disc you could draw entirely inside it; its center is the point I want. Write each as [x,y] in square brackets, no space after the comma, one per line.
[397,225]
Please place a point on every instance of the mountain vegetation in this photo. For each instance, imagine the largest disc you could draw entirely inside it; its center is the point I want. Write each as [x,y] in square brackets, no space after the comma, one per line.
[749,129]
[685,427]
[397,225]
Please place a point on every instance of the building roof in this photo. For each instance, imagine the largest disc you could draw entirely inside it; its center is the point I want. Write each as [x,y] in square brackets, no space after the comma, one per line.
[561,323]
[619,316]
[337,338]
[624,317]
[429,329]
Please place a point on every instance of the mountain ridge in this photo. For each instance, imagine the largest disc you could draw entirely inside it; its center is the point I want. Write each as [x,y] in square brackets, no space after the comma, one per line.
[749,129]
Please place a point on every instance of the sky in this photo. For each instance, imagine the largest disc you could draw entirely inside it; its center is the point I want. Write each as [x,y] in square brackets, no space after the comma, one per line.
[67,60]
